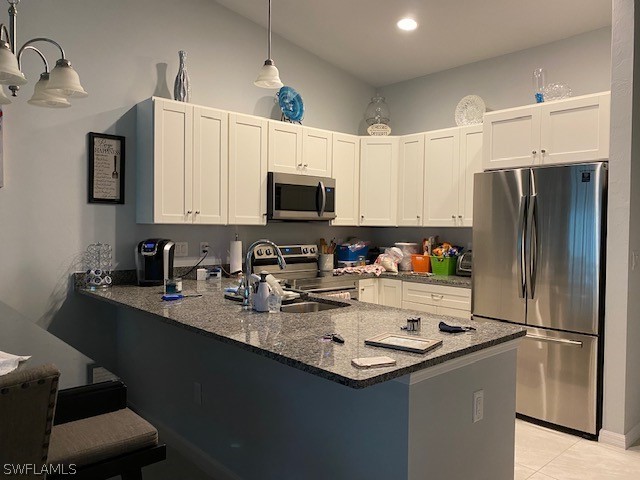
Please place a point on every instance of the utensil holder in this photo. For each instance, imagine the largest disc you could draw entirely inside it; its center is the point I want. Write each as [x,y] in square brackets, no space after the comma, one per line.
[325,262]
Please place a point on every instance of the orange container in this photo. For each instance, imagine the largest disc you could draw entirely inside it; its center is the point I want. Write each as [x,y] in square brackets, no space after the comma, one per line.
[420,263]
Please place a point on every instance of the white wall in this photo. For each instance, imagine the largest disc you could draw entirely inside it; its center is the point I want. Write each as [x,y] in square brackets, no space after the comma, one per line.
[126,51]
[429,102]
[621,415]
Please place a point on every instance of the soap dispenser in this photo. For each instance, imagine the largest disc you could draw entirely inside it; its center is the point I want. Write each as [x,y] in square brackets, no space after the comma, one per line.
[260,303]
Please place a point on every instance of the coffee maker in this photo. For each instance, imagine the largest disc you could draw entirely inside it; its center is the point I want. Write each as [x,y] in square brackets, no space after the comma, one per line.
[154,261]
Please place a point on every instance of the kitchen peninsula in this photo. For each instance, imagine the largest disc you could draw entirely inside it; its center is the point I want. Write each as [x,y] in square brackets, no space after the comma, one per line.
[264,396]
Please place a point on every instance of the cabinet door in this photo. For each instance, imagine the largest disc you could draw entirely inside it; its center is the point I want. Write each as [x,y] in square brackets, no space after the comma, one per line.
[346,171]
[575,130]
[379,181]
[390,292]
[247,170]
[285,147]
[316,152]
[442,166]
[368,290]
[511,138]
[173,158]
[411,180]
[470,164]
[210,164]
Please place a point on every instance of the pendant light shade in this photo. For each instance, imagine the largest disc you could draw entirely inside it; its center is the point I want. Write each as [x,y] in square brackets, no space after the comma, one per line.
[10,74]
[65,80]
[47,98]
[4,100]
[268,77]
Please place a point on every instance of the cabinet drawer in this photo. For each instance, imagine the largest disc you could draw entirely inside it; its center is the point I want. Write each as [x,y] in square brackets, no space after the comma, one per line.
[437,295]
[420,307]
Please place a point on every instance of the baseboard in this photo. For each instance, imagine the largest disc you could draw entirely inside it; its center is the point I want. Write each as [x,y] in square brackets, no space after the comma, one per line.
[187,449]
[618,439]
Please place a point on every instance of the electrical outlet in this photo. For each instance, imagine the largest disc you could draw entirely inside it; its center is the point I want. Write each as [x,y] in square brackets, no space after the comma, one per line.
[204,248]
[478,405]
[182,249]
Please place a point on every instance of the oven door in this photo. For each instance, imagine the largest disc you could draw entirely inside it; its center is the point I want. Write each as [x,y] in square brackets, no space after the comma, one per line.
[300,197]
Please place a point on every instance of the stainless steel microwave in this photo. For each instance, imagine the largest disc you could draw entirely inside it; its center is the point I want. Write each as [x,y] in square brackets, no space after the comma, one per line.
[300,197]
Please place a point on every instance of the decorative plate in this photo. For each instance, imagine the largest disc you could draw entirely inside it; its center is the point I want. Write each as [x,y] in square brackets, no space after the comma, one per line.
[291,104]
[470,110]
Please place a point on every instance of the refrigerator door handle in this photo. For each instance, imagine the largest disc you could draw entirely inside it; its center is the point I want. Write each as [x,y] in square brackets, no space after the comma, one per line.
[574,343]
[533,246]
[522,209]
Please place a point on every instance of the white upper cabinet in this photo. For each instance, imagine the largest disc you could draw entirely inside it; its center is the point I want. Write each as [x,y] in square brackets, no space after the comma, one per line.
[285,147]
[247,170]
[565,131]
[442,170]
[575,130]
[378,181]
[511,138]
[297,149]
[316,152]
[210,165]
[470,164]
[346,171]
[411,180]
[181,163]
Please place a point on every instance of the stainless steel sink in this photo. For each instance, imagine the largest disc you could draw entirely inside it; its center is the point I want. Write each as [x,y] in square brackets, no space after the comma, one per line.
[309,307]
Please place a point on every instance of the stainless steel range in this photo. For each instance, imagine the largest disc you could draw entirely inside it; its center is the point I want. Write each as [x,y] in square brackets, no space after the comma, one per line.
[301,272]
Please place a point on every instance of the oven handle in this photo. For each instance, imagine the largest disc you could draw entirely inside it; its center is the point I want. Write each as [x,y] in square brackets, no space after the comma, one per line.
[331,289]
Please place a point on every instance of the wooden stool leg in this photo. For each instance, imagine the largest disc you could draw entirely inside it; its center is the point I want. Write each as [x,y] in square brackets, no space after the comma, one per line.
[132,475]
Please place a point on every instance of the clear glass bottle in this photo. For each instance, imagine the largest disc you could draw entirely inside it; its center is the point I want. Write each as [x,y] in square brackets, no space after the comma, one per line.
[182,85]
[539,82]
[377,111]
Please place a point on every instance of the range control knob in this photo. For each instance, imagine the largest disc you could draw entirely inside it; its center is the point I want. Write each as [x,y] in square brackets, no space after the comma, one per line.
[259,252]
[313,250]
[305,250]
[268,251]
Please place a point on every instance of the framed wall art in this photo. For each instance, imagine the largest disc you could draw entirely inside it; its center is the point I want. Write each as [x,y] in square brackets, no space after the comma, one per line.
[106,168]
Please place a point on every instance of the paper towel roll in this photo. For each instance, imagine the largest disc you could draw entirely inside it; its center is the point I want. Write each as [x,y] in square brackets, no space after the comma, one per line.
[235,256]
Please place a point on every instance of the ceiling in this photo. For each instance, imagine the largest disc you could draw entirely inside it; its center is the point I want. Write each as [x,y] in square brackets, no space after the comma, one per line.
[361,37]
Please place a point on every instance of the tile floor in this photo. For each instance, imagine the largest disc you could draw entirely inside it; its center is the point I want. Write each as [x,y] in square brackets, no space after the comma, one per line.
[543,454]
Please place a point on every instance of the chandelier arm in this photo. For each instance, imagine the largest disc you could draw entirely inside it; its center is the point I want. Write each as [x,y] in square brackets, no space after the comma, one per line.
[31,47]
[44,39]
[3,30]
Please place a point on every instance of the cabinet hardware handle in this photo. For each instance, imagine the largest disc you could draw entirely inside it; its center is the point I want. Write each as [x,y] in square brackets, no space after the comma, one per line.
[435,296]
[543,151]
[299,164]
[305,165]
[417,216]
[362,217]
[189,212]
[460,217]
[264,214]
[535,152]
[453,216]
[197,212]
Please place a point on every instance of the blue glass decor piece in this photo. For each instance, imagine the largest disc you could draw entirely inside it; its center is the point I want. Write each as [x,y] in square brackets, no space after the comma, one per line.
[291,104]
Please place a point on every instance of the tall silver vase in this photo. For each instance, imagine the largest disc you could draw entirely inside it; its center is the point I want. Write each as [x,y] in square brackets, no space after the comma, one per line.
[182,85]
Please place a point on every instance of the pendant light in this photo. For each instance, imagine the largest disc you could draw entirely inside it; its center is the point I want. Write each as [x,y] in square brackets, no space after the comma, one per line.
[53,88]
[268,77]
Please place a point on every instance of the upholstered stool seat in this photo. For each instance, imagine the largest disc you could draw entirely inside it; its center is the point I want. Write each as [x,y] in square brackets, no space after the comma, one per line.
[98,438]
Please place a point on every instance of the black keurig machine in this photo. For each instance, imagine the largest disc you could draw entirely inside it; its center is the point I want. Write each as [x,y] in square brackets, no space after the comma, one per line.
[154,261]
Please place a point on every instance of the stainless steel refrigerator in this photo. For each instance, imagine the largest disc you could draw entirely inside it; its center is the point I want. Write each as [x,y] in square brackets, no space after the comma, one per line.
[538,261]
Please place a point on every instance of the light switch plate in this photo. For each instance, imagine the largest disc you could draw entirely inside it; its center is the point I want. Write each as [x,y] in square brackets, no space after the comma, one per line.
[182,249]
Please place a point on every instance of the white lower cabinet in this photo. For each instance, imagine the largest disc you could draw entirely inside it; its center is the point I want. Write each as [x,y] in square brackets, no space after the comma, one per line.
[438,299]
[390,292]
[368,290]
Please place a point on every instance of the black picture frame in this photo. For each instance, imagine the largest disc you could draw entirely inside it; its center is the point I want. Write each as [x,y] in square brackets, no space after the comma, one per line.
[106,168]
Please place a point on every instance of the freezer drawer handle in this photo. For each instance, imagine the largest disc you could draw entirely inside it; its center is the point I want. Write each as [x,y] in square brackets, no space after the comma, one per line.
[555,340]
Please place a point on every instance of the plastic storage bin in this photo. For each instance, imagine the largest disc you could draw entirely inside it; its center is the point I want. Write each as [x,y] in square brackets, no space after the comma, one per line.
[420,263]
[346,255]
[443,265]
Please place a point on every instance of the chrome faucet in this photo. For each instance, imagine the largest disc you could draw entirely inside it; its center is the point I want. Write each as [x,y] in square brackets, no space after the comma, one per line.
[248,269]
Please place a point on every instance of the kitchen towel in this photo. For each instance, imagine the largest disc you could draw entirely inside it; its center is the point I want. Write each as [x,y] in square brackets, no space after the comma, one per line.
[8,362]
[235,256]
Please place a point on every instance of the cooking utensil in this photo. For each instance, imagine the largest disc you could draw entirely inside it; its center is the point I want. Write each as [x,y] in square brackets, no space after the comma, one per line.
[114,174]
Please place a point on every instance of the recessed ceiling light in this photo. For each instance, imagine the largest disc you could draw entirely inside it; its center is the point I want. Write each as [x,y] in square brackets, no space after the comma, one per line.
[407,24]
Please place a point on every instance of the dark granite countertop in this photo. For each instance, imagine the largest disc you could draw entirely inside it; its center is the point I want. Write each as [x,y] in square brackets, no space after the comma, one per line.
[295,339]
